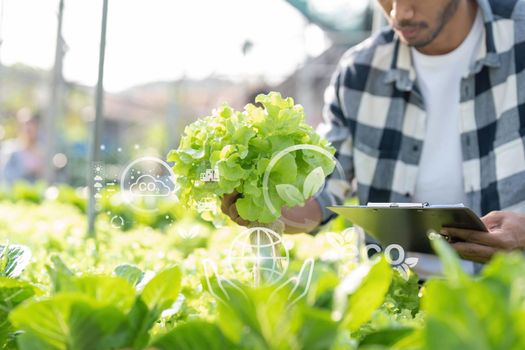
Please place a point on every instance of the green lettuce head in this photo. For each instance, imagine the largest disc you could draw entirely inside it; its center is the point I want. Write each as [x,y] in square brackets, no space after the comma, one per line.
[239,146]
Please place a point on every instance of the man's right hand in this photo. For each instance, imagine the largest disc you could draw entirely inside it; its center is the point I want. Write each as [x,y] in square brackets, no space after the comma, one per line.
[310,210]
[228,207]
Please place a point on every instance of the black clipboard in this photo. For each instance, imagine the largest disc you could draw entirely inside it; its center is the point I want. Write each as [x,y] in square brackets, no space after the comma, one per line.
[408,224]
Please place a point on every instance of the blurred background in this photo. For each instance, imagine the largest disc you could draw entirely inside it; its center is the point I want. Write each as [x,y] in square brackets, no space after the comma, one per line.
[166,64]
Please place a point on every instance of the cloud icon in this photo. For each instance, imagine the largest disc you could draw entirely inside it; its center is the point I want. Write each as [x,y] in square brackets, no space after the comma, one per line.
[148,186]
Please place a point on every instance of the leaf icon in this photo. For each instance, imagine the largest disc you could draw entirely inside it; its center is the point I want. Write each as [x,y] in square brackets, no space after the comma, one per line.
[411,261]
[290,194]
[313,182]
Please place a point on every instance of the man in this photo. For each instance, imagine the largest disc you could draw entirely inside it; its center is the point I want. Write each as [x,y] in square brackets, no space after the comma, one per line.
[433,110]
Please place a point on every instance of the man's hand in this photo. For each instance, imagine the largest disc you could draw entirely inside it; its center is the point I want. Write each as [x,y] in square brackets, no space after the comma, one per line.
[506,232]
[228,207]
[310,210]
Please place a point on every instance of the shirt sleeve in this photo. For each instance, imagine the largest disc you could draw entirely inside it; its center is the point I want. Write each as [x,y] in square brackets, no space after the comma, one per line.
[336,129]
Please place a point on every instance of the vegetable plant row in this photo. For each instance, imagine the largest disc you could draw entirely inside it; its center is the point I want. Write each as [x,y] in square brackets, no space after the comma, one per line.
[141,289]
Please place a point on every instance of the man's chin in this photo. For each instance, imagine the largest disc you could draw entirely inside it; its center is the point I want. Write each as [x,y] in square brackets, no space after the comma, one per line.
[408,42]
[414,42]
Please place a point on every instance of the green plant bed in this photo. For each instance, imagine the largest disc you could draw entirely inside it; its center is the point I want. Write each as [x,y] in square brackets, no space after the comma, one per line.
[146,289]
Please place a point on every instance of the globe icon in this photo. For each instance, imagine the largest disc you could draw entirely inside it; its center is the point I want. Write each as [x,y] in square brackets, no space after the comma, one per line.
[258,254]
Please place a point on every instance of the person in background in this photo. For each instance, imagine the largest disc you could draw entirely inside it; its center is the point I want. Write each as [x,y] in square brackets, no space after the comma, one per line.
[432,109]
[23,156]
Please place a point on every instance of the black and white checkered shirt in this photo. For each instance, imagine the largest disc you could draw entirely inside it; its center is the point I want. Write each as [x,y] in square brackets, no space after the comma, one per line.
[375,118]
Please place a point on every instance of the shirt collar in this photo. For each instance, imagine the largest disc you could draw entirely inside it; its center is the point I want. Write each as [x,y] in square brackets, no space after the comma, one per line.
[402,70]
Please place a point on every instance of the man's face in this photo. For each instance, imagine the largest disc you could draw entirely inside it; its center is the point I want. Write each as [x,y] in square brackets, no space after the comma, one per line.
[419,22]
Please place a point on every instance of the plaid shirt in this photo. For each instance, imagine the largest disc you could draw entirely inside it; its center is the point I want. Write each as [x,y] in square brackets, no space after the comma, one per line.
[375,118]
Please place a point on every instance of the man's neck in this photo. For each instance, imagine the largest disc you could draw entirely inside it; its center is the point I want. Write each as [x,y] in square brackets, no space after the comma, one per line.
[455,31]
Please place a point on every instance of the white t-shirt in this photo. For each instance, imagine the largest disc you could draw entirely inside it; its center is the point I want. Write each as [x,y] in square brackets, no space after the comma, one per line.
[440,175]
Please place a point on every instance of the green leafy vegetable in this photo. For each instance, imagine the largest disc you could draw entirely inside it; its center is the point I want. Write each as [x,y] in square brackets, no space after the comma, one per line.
[163,289]
[194,335]
[66,321]
[487,312]
[241,145]
[90,312]
[369,296]
[87,303]
[129,272]
[61,275]
[12,293]
[13,259]
[262,318]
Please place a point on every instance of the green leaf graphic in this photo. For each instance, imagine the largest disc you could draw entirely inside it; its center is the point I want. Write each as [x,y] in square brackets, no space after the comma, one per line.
[313,182]
[290,194]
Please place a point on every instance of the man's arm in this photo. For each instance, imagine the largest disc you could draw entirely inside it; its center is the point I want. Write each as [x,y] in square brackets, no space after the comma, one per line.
[506,233]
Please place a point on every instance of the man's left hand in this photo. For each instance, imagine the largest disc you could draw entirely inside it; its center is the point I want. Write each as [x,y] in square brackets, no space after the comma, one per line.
[506,232]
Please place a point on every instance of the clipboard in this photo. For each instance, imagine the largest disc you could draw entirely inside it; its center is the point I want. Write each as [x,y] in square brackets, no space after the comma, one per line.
[408,224]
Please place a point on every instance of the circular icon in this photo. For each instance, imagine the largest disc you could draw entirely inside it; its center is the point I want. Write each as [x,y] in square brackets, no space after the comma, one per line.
[117,221]
[391,257]
[306,223]
[145,182]
[259,254]
[372,246]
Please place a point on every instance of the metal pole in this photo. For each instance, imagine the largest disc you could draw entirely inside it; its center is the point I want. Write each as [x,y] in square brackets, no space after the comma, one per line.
[54,108]
[94,155]
[171,117]
[1,66]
